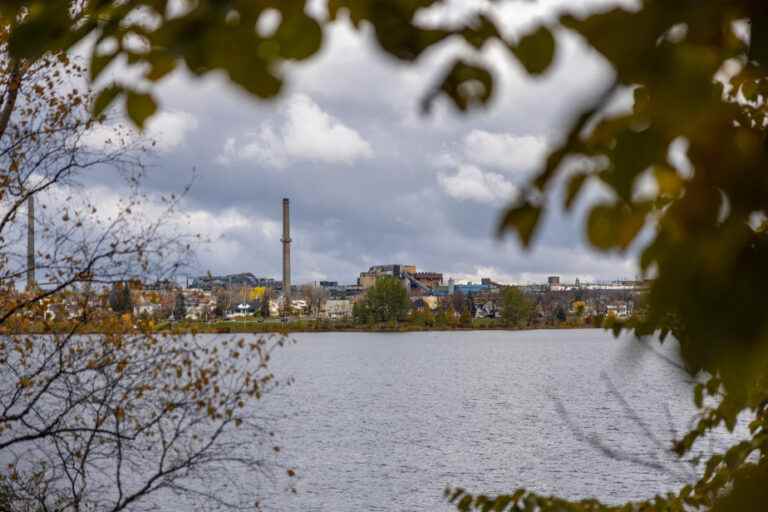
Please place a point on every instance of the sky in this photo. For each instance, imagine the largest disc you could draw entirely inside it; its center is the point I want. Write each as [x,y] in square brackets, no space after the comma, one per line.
[372,180]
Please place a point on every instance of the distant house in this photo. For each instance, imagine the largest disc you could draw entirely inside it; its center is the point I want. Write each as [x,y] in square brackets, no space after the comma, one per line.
[486,309]
[619,309]
[54,311]
[240,311]
[274,308]
[146,308]
[337,309]
[299,306]
[199,304]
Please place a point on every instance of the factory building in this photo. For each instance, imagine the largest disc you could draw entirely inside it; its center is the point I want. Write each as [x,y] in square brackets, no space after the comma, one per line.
[417,283]
[368,279]
[430,279]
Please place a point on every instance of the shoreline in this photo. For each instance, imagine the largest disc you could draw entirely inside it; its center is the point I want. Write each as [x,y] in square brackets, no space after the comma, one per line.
[279,328]
[195,328]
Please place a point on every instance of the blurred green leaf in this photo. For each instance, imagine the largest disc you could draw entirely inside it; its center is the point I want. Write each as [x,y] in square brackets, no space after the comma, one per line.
[523,219]
[299,37]
[536,50]
[758,44]
[105,98]
[575,184]
[99,63]
[614,226]
[161,63]
[465,84]
[139,107]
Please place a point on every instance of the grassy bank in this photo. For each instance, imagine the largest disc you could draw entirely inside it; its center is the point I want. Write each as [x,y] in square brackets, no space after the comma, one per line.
[125,325]
[227,327]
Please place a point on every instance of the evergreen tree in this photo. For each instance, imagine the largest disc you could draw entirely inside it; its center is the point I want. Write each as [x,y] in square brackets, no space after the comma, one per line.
[127,302]
[120,298]
[180,309]
[560,314]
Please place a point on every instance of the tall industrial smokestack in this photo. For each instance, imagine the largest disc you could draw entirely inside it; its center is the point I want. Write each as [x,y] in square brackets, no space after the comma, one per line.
[286,258]
[30,243]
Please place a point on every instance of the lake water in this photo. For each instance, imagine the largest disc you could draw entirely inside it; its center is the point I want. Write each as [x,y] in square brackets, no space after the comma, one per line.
[387,421]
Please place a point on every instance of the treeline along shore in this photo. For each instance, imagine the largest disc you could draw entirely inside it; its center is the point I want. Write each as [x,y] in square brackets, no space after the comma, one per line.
[256,326]
[385,308]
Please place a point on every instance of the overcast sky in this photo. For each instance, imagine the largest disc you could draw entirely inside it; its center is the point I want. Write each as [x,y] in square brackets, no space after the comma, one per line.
[371,180]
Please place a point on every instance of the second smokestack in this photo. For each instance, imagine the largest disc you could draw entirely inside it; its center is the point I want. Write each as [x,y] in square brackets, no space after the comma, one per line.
[286,257]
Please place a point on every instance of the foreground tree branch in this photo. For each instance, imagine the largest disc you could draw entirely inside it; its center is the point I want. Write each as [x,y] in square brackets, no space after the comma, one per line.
[97,410]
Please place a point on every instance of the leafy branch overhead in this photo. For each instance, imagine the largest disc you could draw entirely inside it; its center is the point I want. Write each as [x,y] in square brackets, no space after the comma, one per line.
[234,37]
[697,74]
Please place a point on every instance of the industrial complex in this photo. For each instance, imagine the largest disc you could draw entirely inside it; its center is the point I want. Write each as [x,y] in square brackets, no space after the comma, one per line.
[245,295]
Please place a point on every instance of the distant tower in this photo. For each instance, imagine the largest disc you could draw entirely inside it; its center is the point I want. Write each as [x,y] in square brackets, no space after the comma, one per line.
[286,258]
[31,243]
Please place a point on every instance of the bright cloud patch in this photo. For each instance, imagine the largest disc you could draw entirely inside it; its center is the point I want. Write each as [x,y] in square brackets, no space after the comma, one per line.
[306,133]
[170,129]
[166,131]
[504,151]
[470,183]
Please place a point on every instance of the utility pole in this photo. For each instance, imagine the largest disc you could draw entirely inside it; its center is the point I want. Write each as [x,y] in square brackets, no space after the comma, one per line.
[31,284]
[286,260]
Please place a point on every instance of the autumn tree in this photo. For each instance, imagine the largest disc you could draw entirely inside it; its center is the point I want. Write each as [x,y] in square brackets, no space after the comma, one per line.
[100,413]
[429,316]
[465,320]
[315,296]
[441,318]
